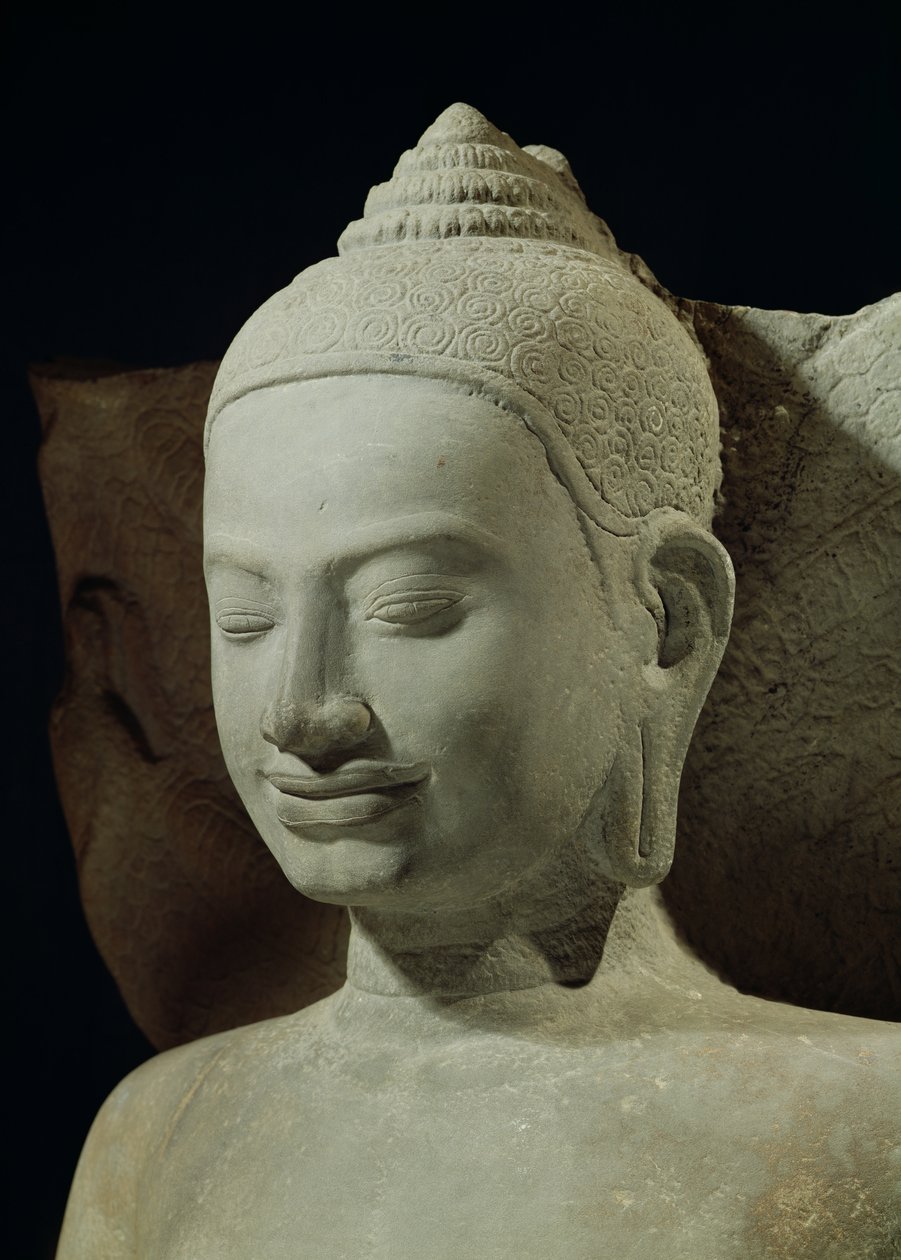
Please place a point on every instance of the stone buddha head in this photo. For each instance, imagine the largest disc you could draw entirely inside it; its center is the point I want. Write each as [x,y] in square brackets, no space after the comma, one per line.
[465,600]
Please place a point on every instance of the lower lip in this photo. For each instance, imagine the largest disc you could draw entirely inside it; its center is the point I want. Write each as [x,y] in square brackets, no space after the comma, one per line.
[341,811]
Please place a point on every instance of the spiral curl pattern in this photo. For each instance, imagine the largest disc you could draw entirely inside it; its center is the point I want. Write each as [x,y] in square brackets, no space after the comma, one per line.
[625,384]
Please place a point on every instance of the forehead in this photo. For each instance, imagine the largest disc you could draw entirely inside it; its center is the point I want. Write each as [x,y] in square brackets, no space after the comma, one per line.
[318,460]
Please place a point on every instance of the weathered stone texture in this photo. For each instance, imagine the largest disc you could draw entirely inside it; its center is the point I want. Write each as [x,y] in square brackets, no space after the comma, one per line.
[788,867]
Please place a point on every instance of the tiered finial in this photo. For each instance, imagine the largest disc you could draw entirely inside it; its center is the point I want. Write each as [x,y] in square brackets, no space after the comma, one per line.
[465,178]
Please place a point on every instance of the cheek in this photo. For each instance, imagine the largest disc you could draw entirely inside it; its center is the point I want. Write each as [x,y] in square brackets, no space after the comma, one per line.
[459,692]
[513,710]
[572,704]
[237,688]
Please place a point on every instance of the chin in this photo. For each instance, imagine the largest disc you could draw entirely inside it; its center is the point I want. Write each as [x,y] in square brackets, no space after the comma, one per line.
[343,868]
[390,874]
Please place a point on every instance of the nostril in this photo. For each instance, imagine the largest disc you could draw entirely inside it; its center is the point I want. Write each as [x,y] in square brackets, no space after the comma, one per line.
[348,719]
[318,732]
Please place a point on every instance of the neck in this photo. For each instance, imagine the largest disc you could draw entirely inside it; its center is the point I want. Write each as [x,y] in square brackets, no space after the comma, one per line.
[606,933]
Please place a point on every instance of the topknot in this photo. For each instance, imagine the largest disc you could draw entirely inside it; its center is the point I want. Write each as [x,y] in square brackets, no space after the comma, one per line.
[465,178]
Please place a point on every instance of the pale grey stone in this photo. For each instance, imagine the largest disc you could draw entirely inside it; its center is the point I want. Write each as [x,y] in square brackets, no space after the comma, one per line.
[466,606]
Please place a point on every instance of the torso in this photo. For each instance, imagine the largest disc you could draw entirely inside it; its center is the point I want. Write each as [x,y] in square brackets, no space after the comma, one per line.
[751,1131]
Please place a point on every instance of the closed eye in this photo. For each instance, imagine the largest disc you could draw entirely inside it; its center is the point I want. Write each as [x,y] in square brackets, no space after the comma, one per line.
[241,624]
[410,608]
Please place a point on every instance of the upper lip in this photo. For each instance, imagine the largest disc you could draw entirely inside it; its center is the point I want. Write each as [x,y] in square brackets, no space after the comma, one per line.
[351,780]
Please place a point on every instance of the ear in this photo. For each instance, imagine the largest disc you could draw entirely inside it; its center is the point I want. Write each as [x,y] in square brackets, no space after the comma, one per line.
[684,578]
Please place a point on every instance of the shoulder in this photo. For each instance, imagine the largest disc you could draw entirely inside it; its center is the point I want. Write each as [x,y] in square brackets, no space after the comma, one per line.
[851,1068]
[828,1090]
[863,1054]
[791,1049]
[786,1118]
[833,1153]
[132,1128]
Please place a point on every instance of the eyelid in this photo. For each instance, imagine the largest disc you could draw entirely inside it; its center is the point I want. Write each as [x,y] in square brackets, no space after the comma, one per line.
[435,584]
[243,618]
[424,604]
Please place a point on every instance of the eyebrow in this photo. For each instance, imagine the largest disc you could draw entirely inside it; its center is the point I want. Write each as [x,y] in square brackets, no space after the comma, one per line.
[366,541]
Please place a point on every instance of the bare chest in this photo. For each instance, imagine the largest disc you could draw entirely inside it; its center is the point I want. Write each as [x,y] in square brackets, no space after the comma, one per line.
[441,1161]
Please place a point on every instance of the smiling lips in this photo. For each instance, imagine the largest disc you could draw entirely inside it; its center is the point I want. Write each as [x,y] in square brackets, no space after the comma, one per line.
[355,794]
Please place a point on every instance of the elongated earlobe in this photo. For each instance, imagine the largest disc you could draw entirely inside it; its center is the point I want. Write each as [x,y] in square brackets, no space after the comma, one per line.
[683,576]
[639,836]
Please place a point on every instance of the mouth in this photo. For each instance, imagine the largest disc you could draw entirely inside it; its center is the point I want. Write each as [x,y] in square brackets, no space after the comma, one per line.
[353,795]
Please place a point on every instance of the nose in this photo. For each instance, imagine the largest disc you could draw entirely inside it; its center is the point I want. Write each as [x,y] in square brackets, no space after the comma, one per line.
[311,711]
[313,729]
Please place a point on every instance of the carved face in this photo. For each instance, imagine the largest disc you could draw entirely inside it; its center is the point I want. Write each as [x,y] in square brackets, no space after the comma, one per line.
[417,679]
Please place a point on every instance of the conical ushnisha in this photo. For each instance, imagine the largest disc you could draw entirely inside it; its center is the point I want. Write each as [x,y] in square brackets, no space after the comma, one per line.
[467,179]
[478,264]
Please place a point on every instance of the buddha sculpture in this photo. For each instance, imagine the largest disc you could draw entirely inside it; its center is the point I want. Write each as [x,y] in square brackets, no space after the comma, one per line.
[465,607]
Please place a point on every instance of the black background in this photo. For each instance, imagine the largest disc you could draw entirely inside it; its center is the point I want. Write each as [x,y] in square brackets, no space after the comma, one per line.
[168,174]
